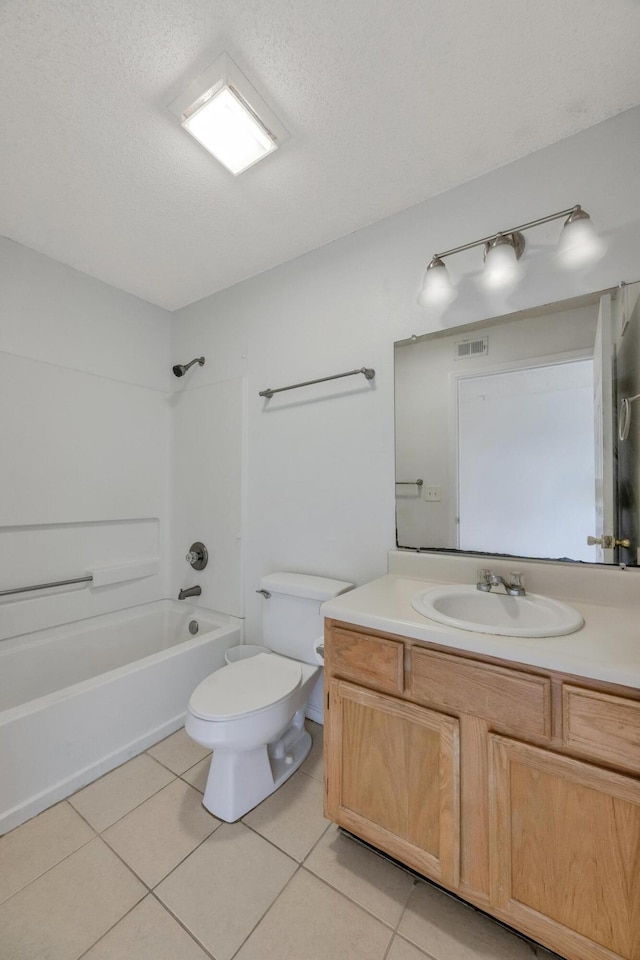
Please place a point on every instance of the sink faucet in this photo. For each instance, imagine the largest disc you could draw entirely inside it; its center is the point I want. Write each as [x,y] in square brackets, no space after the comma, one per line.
[190,592]
[514,587]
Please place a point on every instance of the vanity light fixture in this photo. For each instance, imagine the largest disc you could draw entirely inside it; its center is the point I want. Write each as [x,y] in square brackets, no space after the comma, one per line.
[228,117]
[579,245]
[501,256]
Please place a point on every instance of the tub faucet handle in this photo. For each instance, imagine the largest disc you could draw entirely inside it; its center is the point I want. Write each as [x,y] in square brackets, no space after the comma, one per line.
[198,556]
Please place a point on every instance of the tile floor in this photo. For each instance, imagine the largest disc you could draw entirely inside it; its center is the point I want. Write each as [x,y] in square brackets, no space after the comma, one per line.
[133,867]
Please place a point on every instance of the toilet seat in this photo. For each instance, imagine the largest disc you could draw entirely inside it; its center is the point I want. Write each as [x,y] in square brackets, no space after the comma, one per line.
[244,687]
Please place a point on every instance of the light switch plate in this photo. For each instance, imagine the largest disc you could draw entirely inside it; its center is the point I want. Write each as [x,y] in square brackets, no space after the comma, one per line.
[432,493]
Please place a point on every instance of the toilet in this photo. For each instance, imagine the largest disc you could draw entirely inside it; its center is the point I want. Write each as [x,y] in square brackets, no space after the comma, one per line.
[251,712]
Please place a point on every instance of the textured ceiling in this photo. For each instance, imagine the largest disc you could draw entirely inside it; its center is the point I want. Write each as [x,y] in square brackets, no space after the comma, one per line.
[387,102]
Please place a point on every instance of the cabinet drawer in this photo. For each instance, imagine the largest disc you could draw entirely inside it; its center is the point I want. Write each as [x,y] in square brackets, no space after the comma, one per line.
[371,661]
[602,725]
[520,702]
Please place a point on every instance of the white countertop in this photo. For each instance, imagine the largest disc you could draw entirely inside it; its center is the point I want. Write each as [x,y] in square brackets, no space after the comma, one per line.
[606,648]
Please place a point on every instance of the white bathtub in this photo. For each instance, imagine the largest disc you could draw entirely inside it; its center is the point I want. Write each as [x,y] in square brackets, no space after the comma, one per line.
[77,700]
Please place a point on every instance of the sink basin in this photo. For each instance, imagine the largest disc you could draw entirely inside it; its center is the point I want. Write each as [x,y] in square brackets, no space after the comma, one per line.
[465,607]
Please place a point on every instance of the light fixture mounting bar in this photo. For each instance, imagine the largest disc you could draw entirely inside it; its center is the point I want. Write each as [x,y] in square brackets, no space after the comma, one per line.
[511,230]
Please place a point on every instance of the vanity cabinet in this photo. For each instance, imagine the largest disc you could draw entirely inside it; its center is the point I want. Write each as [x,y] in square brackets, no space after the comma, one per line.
[402,792]
[517,789]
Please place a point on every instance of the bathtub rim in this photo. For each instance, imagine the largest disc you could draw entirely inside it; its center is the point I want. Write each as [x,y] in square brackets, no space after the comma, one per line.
[40,793]
[82,686]
[15,641]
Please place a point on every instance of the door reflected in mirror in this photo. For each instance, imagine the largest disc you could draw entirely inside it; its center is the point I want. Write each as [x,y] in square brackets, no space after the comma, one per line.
[512,426]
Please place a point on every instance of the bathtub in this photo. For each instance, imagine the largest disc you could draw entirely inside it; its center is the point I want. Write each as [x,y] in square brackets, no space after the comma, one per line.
[80,699]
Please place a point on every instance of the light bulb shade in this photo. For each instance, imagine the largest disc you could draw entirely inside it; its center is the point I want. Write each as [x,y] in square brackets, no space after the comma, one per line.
[437,289]
[501,267]
[579,244]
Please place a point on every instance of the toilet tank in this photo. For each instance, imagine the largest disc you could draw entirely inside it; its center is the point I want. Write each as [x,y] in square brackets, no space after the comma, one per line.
[291,618]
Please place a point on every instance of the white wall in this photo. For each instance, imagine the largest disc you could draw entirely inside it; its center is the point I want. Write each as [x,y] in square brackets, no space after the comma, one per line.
[208,459]
[85,384]
[320,460]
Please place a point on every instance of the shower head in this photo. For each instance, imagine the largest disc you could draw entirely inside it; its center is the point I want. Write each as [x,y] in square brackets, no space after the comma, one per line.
[181,368]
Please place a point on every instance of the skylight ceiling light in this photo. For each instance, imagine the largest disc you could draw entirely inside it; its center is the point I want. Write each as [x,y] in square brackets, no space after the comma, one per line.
[228,117]
[229,131]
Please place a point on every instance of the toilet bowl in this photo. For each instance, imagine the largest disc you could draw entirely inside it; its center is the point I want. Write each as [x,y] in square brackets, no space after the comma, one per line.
[250,713]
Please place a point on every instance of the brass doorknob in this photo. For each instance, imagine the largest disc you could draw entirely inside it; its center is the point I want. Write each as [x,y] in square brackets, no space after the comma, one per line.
[608,542]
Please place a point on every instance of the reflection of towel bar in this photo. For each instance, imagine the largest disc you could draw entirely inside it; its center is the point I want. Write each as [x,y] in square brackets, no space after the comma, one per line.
[624,417]
[409,483]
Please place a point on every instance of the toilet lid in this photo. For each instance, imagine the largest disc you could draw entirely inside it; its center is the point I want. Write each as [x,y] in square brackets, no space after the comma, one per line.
[245,686]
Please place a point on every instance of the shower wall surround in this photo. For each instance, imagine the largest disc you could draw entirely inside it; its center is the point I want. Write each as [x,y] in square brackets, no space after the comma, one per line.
[85,438]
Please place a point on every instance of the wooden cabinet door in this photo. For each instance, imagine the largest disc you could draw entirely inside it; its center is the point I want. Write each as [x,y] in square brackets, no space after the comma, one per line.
[391,776]
[565,851]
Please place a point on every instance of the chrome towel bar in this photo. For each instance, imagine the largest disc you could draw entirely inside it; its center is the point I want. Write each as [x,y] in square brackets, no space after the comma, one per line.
[409,483]
[367,371]
[44,586]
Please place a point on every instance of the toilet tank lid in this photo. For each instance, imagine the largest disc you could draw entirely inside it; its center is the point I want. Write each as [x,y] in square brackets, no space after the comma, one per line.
[304,585]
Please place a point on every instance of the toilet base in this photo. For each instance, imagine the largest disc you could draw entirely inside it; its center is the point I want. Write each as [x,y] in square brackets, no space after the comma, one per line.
[240,780]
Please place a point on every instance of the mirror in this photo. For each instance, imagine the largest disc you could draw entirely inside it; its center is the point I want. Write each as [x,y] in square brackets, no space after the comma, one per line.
[520,435]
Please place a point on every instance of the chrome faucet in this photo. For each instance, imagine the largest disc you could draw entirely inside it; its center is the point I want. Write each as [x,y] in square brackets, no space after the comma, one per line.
[514,587]
[189,592]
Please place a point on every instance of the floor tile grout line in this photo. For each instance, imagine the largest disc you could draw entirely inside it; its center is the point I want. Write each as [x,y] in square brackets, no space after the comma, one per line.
[281,849]
[193,765]
[53,865]
[346,895]
[182,924]
[100,832]
[125,864]
[149,887]
[269,908]
[356,903]
[186,857]
[275,845]
[119,920]
[494,921]
[428,955]
[151,795]
[389,945]
[166,767]
[412,889]
[82,817]
[309,852]
[423,952]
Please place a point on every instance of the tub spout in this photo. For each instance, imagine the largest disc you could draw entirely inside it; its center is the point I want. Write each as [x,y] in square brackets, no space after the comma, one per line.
[190,592]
